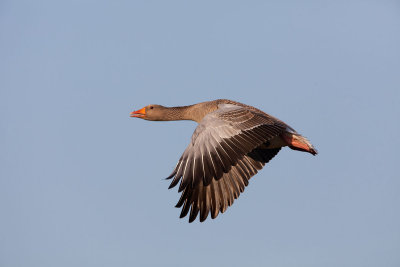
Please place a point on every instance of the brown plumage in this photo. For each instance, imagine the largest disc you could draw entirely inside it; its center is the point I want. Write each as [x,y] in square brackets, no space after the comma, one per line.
[231,143]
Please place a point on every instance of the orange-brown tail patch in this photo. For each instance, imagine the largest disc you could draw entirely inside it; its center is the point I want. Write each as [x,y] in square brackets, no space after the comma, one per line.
[298,142]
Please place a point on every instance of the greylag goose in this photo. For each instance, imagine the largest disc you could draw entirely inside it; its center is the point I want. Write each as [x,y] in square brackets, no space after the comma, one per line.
[230,144]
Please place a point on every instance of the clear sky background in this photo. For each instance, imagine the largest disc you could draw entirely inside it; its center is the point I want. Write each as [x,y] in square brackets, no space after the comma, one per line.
[81,182]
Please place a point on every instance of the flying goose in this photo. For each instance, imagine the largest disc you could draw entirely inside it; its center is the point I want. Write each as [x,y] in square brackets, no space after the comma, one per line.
[230,144]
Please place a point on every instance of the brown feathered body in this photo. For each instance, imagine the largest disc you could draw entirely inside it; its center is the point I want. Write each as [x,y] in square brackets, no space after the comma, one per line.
[231,143]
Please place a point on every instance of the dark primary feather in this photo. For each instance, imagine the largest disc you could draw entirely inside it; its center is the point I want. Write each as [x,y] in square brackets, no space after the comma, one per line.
[220,194]
[225,152]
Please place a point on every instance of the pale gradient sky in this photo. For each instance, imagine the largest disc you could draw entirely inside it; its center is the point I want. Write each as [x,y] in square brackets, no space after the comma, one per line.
[81,182]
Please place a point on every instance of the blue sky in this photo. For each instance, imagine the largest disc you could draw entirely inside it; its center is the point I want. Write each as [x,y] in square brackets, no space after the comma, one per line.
[81,182]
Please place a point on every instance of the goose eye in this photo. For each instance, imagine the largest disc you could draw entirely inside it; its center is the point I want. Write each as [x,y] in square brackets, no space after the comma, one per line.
[151,107]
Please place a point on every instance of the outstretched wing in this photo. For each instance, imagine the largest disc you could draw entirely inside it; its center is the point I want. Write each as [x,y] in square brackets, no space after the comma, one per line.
[220,194]
[221,157]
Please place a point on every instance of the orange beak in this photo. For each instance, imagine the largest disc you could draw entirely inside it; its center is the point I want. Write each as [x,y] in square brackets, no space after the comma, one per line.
[139,113]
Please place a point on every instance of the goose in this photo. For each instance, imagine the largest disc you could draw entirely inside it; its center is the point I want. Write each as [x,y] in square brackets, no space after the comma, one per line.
[231,143]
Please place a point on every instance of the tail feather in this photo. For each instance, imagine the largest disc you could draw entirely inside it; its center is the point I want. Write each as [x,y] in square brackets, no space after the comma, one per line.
[298,142]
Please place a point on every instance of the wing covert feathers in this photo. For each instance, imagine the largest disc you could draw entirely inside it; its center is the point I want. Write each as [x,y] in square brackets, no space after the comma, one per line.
[224,153]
